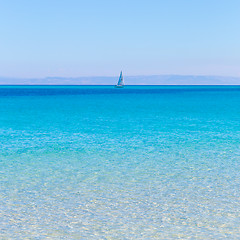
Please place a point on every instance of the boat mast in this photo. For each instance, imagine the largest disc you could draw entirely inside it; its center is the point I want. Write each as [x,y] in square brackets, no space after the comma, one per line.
[120,81]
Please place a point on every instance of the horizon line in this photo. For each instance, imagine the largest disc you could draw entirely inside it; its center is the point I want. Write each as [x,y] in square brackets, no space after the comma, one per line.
[102,85]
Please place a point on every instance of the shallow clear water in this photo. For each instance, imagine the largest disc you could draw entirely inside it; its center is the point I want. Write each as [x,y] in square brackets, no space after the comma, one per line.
[83,162]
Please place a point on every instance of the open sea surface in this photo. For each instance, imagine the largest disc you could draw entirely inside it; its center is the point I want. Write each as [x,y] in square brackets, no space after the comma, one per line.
[143,162]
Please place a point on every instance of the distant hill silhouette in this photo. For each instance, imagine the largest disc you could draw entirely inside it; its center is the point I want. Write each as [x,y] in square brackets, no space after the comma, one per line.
[129,80]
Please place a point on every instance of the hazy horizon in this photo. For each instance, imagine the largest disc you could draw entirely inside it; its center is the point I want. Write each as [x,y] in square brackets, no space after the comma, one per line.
[129,80]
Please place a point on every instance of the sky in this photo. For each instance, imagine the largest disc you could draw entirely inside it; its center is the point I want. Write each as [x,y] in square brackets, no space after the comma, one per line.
[74,38]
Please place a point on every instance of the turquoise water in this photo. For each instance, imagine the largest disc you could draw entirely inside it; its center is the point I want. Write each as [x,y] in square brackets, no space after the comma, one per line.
[82,162]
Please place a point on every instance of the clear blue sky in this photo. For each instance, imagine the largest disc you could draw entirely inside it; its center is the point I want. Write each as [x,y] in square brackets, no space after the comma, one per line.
[92,38]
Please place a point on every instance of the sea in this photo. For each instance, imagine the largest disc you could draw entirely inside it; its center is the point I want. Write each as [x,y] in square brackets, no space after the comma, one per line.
[141,162]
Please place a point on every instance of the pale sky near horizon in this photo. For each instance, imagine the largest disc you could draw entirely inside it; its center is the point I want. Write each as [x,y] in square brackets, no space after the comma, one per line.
[99,38]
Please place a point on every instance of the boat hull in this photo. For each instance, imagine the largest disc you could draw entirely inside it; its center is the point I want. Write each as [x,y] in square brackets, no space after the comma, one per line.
[117,86]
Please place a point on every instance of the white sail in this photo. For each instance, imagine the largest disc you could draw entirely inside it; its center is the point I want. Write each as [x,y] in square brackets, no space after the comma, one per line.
[120,81]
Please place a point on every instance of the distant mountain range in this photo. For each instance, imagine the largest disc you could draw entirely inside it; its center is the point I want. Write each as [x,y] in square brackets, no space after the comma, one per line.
[129,80]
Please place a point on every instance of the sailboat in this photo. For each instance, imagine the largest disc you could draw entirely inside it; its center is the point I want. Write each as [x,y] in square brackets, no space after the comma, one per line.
[120,83]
